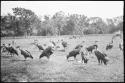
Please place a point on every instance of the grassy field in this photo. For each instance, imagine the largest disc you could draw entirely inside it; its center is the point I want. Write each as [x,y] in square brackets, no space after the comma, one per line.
[57,68]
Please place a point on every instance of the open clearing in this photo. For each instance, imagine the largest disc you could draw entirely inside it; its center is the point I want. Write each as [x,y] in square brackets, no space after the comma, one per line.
[57,68]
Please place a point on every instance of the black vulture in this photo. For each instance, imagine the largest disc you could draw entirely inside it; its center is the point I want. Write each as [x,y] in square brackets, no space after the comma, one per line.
[91,48]
[25,53]
[121,46]
[47,52]
[64,44]
[39,47]
[110,45]
[3,45]
[53,43]
[78,46]
[11,50]
[84,58]
[73,53]
[3,48]
[102,57]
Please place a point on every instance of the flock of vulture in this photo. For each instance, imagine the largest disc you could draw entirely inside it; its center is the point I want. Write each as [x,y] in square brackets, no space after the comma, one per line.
[79,49]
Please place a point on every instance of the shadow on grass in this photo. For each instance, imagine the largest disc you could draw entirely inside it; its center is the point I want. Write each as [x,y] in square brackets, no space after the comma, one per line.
[17,60]
[6,57]
[62,50]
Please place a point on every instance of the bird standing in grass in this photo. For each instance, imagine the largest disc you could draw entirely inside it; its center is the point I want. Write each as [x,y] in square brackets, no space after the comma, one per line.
[53,43]
[11,50]
[3,48]
[110,45]
[64,44]
[47,52]
[84,58]
[121,46]
[74,53]
[39,47]
[91,48]
[101,57]
[79,45]
[25,53]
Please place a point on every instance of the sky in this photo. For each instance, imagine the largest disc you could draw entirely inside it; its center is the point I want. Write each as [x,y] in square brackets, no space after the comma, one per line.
[103,9]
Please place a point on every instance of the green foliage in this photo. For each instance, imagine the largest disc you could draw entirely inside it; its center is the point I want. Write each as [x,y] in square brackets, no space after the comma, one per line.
[116,28]
[27,19]
[25,22]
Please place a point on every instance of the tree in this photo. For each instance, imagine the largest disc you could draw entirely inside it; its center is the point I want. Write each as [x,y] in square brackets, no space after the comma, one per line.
[59,21]
[110,25]
[8,24]
[27,19]
[98,24]
[68,28]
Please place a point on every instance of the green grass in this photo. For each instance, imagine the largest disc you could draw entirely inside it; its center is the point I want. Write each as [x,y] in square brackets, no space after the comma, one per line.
[57,69]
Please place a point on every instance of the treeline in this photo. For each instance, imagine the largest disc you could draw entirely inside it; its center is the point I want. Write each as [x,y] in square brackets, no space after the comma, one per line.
[25,22]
